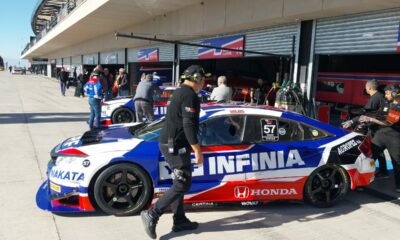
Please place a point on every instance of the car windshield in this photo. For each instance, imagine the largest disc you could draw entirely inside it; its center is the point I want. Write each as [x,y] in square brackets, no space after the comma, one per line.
[150,131]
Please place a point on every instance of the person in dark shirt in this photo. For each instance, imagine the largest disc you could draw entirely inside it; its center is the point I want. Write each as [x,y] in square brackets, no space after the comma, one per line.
[373,127]
[375,102]
[388,137]
[143,98]
[177,139]
[258,92]
[63,77]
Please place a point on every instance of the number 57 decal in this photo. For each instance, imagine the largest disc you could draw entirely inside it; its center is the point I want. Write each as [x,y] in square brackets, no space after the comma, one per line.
[269,130]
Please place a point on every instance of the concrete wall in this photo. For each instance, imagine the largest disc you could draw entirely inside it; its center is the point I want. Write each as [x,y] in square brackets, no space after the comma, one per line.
[212,17]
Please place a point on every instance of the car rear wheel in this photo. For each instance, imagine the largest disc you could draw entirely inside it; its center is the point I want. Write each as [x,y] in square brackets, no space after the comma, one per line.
[326,186]
[122,115]
[123,189]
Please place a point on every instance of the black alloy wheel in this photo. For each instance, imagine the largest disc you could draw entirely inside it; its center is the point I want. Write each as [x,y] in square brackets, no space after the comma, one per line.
[122,115]
[326,186]
[123,189]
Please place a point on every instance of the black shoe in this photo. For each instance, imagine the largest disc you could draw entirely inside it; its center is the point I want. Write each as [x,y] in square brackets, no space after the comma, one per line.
[382,174]
[186,225]
[149,224]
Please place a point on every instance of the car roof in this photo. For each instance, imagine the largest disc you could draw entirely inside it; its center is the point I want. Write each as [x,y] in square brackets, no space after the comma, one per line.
[213,109]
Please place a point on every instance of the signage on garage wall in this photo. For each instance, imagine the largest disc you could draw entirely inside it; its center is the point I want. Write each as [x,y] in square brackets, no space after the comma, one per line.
[112,58]
[398,39]
[235,42]
[148,55]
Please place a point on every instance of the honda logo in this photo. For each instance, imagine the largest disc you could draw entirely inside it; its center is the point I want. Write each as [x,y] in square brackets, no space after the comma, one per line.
[242,192]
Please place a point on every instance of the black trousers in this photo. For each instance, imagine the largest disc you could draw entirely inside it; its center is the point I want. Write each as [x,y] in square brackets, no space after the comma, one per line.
[174,196]
[390,139]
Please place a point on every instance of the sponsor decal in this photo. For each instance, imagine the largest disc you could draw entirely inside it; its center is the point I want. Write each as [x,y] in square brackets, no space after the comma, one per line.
[347,146]
[233,42]
[67,175]
[148,55]
[393,116]
[55,187]
[72,142]
[203,204]
[315,133]
[250,203]
[282,131]
[237,163]
[190,109]
[245,192]
[269,130]
[242,192]
[86,163]
[236,111]
[160,110]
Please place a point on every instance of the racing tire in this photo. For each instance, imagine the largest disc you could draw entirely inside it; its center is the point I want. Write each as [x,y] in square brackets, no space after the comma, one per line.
[123,115]
[123,189]
[326,186]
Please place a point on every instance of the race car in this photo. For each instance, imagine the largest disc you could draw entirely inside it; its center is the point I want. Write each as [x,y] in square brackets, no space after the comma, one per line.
[122,109]
[250,154]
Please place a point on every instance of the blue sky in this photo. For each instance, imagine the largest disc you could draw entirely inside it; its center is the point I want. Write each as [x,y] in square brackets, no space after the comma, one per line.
[15,25]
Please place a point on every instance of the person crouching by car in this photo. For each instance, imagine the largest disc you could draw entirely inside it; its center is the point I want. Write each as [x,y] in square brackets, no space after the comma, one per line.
[94,90]
[388,137]
[143,99]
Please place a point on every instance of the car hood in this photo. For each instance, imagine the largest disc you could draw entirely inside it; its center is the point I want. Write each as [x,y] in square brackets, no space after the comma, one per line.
[115,133]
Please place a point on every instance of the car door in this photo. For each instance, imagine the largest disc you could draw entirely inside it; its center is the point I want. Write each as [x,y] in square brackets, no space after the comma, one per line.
[281,159]
[226,158]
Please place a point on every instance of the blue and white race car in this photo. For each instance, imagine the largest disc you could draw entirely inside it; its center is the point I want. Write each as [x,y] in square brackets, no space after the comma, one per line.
[122,109]
[250,154]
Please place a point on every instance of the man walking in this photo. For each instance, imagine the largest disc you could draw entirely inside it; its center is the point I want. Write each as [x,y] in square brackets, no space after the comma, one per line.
[178,138]
[63,77]
[144,99]
[222,93]
[94,92]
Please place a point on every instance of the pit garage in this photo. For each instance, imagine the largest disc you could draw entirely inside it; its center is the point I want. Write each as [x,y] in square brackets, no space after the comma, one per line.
[350,50]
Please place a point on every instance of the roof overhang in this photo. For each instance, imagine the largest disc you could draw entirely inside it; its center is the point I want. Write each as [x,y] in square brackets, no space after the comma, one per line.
[43,12]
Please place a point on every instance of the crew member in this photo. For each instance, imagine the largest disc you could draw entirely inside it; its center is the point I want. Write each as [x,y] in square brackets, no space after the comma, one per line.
[144,98]
[257,93]
[222,93]
[389,137]
[93,90]
[177,139]
[375,102]
[373,127]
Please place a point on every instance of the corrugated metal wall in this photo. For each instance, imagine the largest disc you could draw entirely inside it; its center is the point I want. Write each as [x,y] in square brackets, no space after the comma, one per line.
[277,40]
[358,33]
[76,60]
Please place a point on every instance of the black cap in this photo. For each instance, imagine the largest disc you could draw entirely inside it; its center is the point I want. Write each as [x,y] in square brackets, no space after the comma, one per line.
[192,71]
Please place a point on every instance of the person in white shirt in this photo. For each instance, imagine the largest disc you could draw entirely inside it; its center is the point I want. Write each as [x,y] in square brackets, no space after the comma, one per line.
[222,93]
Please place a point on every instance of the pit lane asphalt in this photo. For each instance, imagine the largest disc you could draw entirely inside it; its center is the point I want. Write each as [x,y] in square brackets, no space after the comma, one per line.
[34,117]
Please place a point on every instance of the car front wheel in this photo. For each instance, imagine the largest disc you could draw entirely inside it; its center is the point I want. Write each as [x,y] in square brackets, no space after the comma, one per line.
[326,186]
[123,189]
[122,115]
